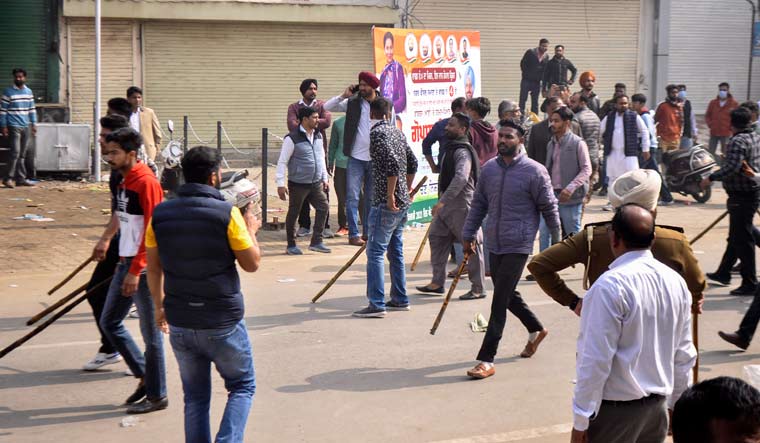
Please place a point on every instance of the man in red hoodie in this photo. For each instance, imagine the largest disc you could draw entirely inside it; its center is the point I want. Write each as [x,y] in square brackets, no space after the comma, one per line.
[718,118]
[483,136]
[133,201]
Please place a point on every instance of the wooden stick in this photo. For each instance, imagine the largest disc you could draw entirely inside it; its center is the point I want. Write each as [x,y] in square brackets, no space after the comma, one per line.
[712,225]
[70,276]
[359,252]
[48,322]
[695,339]
[56,305]
[454,282]
[422,246]
[339,273]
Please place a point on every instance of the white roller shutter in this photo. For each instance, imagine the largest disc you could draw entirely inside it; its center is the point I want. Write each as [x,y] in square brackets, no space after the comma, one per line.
[599,35]
[246,74]
[117,59]
[709,44]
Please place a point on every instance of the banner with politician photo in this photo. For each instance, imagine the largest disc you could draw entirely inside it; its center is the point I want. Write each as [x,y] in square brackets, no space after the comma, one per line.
[421,72]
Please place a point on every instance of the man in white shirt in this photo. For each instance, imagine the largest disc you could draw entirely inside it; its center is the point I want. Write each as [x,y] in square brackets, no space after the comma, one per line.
[355,102]
[635,347]
[625,136]
[303,157]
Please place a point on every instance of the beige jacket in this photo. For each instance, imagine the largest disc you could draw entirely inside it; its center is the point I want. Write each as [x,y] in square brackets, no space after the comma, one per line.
[150,129]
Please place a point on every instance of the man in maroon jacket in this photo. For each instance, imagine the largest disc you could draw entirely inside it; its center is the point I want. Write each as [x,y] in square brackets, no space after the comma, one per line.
[483,136]
[308,90]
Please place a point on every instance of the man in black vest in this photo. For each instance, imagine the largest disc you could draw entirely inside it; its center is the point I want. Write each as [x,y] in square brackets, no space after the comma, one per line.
[355,102]
[689,137]
[196,238]
[456,186]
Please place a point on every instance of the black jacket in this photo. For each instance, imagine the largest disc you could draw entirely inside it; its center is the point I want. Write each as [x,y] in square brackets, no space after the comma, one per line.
[532,68]
[556,72]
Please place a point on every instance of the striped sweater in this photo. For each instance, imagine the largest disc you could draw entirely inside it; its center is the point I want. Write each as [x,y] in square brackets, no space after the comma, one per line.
[17,107]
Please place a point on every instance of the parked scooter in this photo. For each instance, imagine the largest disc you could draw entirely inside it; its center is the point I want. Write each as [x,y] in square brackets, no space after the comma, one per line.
[234,187]
[685,169]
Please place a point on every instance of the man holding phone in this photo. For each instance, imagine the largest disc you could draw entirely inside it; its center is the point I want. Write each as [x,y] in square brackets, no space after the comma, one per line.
[556,71]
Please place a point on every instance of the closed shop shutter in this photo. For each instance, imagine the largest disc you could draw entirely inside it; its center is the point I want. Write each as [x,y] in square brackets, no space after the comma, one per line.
[23,33]
[598,35]
[116,64]
[246,74]
[709,44]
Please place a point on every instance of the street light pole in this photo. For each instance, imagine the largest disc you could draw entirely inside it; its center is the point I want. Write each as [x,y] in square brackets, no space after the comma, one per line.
[96,123]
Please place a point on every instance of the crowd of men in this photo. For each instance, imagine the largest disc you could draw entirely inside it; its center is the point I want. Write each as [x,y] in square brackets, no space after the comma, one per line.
[498,188]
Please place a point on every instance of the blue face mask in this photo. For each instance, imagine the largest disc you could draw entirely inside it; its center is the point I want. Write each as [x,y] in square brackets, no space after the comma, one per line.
[723,94]
[682,95]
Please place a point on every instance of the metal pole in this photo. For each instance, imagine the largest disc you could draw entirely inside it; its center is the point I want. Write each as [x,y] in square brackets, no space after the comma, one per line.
[751,44]
[184,138]
[264,195]
[96,123]
[219,137]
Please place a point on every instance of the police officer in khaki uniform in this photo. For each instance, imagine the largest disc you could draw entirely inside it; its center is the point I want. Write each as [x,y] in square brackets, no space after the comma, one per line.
[591,247]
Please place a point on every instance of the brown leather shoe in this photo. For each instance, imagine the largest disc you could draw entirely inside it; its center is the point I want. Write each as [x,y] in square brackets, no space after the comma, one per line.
[735,339]
[532,346]
[480,371]
[356,241]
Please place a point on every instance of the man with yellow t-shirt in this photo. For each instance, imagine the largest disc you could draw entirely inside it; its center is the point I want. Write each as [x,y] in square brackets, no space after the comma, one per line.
[192,244]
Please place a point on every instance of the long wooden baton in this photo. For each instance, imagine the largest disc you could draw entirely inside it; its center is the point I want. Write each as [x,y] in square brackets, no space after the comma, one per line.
[454,282]
[339,273]
[70,276]
[422,246]
[48,322]
[712,225]
[695,339]
[56,305]
[359,252]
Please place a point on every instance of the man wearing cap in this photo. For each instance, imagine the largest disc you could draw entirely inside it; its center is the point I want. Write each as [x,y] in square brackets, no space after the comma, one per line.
[591,247]
[355,102]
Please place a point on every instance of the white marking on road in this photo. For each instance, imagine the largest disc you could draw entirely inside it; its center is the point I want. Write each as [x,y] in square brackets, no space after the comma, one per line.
[58,345]
[514,435]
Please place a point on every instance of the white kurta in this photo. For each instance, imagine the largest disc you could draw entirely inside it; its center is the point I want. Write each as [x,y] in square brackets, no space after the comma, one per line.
[617,162]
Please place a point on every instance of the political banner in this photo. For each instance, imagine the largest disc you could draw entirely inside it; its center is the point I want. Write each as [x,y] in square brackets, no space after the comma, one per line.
[756,41]
[421,72]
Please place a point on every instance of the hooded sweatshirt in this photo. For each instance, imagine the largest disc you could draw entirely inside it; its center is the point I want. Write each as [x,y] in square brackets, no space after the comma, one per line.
[133,201]
[484,138]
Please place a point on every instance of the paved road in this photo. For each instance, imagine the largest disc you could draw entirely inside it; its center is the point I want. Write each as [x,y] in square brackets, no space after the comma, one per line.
[324,376]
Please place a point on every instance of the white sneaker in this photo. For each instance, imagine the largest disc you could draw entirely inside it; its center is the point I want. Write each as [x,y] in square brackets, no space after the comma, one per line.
[328,233]
[133,312]
[128,372]
[101,359]
[608,207]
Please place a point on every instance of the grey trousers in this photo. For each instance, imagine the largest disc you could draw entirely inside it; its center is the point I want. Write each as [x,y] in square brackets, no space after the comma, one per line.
[640,421]
[445,230]
[317,198]
[19,143]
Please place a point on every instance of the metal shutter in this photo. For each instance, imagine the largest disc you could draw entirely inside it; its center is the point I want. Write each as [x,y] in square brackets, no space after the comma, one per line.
[246,74]
[116,64]
[709,44]
[23,33]
[598,35]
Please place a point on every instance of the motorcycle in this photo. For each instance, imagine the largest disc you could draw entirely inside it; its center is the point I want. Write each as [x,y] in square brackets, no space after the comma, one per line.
[235,186]
[686,168]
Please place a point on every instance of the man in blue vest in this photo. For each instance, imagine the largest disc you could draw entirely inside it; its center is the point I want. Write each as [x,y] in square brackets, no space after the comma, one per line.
[625,136]
[193,241]
[303,156]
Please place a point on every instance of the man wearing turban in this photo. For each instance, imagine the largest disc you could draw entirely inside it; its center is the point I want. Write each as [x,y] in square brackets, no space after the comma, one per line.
[587,82]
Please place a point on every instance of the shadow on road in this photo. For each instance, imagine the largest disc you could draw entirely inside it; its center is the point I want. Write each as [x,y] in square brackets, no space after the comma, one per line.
[19,323]
[11,418]
[22,379]
[384,379]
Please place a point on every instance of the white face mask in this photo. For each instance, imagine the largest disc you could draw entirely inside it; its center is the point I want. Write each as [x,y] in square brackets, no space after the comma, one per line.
[723,94]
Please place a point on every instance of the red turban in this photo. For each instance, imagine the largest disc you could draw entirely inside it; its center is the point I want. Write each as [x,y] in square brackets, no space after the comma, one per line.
[370,79]
[586,75]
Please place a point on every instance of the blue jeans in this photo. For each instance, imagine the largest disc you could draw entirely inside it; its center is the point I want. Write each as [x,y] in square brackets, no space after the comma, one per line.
[230,351]
[150,365]
[386,229]
[358,172]
[569,217]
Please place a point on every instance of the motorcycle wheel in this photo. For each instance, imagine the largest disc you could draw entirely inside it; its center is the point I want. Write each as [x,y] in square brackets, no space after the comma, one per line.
[703,196]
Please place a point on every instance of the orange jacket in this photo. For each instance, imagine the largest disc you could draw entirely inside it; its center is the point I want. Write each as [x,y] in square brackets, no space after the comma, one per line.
[669,119]
[718,118]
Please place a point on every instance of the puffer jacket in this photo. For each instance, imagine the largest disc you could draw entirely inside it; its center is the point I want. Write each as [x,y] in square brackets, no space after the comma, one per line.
[513,196]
